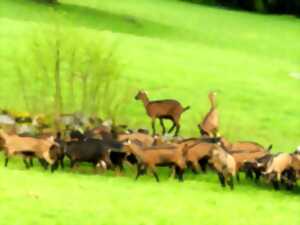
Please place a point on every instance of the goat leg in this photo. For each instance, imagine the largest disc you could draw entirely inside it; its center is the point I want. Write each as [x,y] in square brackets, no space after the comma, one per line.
[177,130]
[275,184]
[139,171]
[249,174]
[172,128]
[155,174]
[173,172]
[179,172]
[195,167]
[54,167]
[222,179]
[163,126]
[43,163]
[6,161]
[230,183]
[31,162]
[62,163]
[257,176]
[203,163]
[121,167]
[238,177]
[25,162]
[153,127]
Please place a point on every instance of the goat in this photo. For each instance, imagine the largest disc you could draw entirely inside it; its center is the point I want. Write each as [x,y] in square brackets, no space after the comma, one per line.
[245,146]
[257,166]
[91,150]
[146,139]
[15,144]
[149,158]
[210,124]
[198,153]
[241,157]
[225,165]
[57,152]
[162,109]
[279,164]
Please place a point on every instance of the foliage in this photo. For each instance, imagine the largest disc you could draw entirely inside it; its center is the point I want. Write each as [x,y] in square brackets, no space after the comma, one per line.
[81,73]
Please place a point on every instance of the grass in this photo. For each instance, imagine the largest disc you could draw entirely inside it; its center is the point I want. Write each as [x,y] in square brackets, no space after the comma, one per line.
[83,197]
[174,50]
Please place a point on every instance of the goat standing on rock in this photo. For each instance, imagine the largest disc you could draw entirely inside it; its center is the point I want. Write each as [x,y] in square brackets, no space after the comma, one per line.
[162,109]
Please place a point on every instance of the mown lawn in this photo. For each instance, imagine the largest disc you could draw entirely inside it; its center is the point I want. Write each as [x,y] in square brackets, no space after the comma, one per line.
[174,50]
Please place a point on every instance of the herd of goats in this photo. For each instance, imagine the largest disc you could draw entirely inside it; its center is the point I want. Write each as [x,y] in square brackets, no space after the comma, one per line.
[108,146]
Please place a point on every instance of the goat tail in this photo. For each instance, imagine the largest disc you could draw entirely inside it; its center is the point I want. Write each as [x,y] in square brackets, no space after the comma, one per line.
[270,148]
[186,108]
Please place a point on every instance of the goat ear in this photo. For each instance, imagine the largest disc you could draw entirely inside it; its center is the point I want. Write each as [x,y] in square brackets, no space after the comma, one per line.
[51,138]
[127,142]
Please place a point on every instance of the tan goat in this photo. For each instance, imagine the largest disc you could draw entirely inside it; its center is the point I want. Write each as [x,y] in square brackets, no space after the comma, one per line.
[14,144]
[279,164]
[210,124]
[224,164]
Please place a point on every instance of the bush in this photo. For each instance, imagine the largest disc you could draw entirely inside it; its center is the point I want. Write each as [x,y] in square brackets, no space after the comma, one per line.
[67,70]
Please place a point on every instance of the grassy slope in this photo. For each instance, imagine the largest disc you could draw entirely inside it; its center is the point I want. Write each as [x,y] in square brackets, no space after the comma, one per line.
[178,50]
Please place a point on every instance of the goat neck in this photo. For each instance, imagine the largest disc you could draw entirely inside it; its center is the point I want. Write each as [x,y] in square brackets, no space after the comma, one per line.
[145,99]
[212,99]
[3,134]
[136,150]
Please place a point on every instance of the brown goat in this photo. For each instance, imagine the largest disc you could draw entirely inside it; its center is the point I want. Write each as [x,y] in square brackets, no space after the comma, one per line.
[210,124]
[225,165]
[15,144]
[167,155]
[162,109]
[243,157]
[243,146]
[145,139]
[198,154]
[257,166]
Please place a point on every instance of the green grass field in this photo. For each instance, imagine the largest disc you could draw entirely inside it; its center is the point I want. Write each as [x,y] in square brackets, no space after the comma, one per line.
[83,197]
[174,50]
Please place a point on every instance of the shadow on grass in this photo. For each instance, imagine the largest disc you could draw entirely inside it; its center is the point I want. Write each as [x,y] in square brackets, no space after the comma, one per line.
[82,16]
